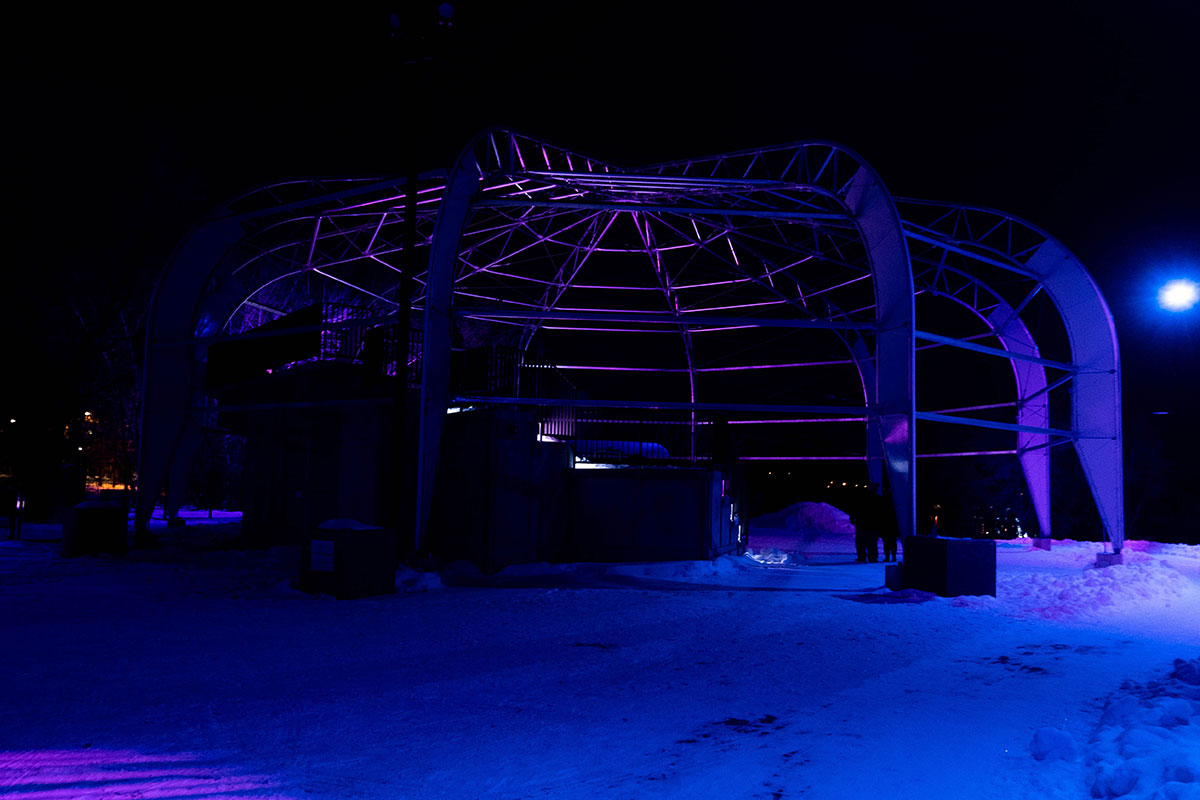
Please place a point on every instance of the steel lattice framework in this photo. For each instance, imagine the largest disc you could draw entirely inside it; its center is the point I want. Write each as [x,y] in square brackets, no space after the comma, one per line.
[775,289]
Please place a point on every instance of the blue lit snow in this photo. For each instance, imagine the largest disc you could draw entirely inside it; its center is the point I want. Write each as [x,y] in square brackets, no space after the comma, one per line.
[728,679]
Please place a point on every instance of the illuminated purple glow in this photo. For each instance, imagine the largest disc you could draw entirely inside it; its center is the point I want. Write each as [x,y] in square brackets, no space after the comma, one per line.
[614,311]
[974,408]
[561,285]
[596,368]
[611,330]
[124,775]
[792,421]
[461,293]
[743,367]
[820,292]
[393,199]
[499,186]
[971,453]
[711,283]
[766,274]
[738,305]
[802,458]
[724,328]
[1178,295]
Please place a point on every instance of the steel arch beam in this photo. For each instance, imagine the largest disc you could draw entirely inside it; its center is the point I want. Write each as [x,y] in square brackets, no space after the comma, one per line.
[1033,401]
[822,167]
[893,411]
[843,175]
[1096,388]
[171,378]
[194,299]
[462,187]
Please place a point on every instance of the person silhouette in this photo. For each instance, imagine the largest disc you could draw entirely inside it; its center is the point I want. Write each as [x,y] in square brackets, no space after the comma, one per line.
[867,525]
[889,529]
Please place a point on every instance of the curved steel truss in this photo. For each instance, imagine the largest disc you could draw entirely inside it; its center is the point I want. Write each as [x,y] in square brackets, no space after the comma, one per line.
[769,289]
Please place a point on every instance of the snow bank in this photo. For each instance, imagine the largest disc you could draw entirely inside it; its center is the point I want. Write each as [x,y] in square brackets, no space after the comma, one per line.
[1147,744]
[721,567]
[1064,583]
[1057,596]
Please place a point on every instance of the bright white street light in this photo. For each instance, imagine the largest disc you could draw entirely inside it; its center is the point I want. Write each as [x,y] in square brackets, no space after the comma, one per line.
[1178,295]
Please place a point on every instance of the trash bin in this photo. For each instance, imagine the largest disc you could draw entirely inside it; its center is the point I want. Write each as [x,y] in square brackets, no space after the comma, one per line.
[94,527]
[347,559]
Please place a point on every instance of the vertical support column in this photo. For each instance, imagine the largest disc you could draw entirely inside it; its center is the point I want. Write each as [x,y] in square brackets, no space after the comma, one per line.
[1096,388]
[865,364]
[435,357]
[894,401]
[172,375]
[1033,409]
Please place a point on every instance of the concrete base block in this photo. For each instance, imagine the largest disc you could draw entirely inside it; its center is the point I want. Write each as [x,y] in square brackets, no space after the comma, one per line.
[93,527]
[893,577]
[349,560]
[1041,543]
[949,567]
[1109,559]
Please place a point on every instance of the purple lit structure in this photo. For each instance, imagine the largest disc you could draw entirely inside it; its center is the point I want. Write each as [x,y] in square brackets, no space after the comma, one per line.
[780,290]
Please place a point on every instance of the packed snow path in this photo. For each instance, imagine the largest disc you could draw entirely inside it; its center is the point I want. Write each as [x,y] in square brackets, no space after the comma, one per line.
[177,674]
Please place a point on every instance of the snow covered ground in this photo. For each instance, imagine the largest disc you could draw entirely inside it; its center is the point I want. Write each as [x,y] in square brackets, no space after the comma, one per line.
[189,671]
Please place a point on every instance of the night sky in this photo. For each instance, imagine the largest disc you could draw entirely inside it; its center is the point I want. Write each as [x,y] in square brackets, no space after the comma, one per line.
[1079,116]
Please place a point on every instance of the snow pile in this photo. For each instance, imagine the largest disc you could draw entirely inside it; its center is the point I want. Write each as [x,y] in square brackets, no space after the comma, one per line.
[409,580]
[773,556]
[1060,596]
[1053,744]
[1140,547]
[800,532]
[1148,742]
[811,519]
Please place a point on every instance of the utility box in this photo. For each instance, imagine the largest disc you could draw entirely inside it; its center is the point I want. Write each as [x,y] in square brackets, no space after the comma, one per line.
[94,527]
[652,514]
[506,495]
[949,567]
[348,559]
[502,495]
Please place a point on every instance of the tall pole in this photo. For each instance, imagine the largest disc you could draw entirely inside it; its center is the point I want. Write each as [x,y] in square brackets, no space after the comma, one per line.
[415,36]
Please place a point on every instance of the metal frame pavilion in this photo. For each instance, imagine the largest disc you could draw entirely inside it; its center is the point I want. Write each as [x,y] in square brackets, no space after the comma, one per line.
[781,290]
